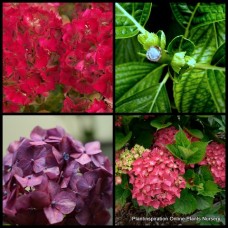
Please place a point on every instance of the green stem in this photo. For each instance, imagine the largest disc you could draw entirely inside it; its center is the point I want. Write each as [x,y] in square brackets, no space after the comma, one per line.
[189,24]
[209,67]
[190,20]
[158,91]
[140,28]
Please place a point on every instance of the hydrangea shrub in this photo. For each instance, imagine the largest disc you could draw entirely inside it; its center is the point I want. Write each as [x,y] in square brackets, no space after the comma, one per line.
[182,171]
[52,178]
[57,57]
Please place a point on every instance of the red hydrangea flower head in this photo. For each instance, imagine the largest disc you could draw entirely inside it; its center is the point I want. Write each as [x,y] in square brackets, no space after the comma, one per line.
[156,178]
[215,158]
[51,178]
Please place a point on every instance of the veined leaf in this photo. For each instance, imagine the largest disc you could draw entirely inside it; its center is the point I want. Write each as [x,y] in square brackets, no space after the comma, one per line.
[153,99]
[186,204]
[219,56]
[126,50]
[133,74]
[192,93]
[206,13]
[180,44]
[145,95]
[216,83]
[125,27]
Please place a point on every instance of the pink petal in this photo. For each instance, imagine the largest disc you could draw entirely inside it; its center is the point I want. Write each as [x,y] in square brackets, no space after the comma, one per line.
[66,202]
[84,159]
[53,215]
[93,147]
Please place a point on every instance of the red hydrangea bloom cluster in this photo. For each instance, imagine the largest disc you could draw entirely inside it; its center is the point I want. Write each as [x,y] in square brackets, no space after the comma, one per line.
[41,51]
[52,178]
[215,158]
[156,178]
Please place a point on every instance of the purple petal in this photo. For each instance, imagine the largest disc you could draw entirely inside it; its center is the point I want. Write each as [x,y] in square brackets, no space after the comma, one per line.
[22,202]
[53,188]
[58,156]
[53,215]
[65,182]
[83,216]
[39,165]
[38,134]
[84,159]
[72,166]
[93,147]
[25,150]
[38,143]
[82,185]
[39,199]
[91,177]
[28,181]
[58,132]
[26,166]
[65,202]
[65,145]
[52,172]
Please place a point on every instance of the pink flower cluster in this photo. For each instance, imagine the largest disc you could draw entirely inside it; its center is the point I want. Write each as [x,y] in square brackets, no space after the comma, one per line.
[42,50]
[215,158]
[156,178]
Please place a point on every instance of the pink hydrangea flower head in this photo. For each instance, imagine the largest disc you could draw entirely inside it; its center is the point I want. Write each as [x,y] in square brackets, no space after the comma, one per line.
[156,178]
[215,158]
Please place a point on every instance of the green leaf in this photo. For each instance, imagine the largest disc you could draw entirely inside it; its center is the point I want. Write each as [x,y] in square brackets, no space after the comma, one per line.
[153,99]
[206,13]
[158,124]
[204,202]
[54,101]
[147,209]
[175,151]
[181,44]
[216,83]
[186,204]
[124,26]
[210,189]
[126,50]
[186,152]
[138,90]
[205,172]
[121,195]
[207,32]
[200,154]
[195,132]
[135,74]
[219,57]
[121,139]
[181,139]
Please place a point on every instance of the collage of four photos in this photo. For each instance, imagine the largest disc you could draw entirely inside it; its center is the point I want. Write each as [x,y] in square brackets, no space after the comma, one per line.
[113,113]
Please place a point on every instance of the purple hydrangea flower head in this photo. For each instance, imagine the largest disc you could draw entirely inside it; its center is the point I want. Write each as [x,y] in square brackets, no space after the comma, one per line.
[53,178]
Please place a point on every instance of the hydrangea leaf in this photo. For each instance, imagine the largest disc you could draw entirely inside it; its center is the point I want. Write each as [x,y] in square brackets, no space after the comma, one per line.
[121,195]
[204,202]
[124,26]
[181,44]
[209,189]
[186,204]
[193,91]
[121,139]
[124,50]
